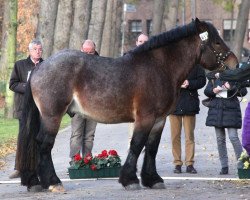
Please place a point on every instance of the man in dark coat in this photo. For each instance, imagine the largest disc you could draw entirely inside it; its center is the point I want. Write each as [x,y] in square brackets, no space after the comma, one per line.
[186,109]
[18,80]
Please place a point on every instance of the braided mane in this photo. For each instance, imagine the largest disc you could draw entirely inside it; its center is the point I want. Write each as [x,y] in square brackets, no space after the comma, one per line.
[165,38]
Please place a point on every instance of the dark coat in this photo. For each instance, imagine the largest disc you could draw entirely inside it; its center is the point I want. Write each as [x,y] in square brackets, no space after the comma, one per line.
[189,103]
[224,112]
[18,81]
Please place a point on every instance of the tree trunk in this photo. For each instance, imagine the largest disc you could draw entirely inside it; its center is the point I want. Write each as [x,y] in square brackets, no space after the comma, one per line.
[80,27]
[171,15]
[242,21]
[118,26]
[159,6]
[97,22]
[8,50]
[108,30]
[63,25]
[46,25]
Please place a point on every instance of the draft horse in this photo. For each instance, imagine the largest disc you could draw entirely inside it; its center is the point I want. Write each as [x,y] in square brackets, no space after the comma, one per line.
[141,87]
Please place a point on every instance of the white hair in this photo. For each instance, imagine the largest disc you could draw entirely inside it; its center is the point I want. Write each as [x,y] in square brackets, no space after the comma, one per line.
[37,42]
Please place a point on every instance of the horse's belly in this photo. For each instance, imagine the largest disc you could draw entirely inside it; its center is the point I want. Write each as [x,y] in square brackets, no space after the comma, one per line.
[107,113]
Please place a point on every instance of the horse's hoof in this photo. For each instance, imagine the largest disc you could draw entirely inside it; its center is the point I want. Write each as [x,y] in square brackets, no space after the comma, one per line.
[159,186]
[56,188]
[35,188]
[134,186]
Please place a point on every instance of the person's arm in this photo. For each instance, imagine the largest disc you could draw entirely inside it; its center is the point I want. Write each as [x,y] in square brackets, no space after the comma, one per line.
[15,84]
[199,82]
[209,90]
[239,74]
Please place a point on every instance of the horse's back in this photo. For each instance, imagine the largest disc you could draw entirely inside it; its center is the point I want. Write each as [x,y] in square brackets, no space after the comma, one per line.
[98,85]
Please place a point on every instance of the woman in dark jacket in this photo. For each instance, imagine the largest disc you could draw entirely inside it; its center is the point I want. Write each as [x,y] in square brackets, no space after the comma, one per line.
[239,74]
[184,115]
[225,113]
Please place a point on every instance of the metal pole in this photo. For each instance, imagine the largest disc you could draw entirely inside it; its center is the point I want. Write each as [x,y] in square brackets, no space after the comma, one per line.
[123,27]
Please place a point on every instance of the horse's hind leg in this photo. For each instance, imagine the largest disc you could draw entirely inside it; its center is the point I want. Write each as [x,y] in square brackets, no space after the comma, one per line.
[149,175]
[128,176]
[46,140]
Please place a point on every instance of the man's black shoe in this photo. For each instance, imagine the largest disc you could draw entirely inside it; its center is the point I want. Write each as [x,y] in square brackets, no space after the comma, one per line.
[224,170]
[190,169]
[177,169]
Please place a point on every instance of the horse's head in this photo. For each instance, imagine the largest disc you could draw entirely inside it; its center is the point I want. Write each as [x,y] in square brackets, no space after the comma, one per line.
[214,53]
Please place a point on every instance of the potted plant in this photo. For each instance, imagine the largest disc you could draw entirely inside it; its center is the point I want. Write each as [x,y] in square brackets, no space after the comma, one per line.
[244,166]
[105,164]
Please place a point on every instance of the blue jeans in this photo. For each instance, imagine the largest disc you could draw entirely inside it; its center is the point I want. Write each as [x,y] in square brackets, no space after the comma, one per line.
[221,143]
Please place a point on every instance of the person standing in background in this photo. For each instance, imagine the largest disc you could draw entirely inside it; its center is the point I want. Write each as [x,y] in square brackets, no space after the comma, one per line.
[83,129]
[225,113]
[185,115]
[18,80]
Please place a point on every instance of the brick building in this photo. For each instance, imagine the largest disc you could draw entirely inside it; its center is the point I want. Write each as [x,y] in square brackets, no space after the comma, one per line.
[138,18]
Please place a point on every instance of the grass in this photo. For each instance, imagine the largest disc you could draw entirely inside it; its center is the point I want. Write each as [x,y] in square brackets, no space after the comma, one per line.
[9,131]
[9,127]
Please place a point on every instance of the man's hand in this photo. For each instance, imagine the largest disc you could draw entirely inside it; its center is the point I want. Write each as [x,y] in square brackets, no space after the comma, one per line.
[185,84]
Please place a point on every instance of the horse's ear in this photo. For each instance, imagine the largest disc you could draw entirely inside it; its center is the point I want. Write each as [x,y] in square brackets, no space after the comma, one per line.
[197,21]
[199,25]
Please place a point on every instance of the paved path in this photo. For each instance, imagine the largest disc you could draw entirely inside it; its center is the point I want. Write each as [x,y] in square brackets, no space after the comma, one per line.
[115,137]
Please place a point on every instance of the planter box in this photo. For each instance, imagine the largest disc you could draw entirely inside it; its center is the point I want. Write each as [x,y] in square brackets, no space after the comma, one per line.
[88,173]
[244,173]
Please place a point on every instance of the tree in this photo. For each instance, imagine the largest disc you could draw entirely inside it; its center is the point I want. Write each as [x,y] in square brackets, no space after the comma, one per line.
[108,30]
[46,25]
[81,20]
[27,17]
[242,21]
[158,11]
[171,14]
[118,24]
[8,49]
[63,25]
[97,22]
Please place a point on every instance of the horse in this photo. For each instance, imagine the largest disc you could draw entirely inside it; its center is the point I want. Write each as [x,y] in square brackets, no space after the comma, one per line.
[140,87]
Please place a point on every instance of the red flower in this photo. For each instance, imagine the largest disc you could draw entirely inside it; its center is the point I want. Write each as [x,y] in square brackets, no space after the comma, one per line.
[113,153]
[104,153]
[93,167]
[87,158]
[77,157]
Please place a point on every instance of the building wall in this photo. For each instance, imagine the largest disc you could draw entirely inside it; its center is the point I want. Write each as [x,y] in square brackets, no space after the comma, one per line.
[203,9]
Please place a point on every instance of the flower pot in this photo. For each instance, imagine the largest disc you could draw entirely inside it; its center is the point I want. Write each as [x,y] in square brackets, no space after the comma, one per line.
[88,173]
[244,173]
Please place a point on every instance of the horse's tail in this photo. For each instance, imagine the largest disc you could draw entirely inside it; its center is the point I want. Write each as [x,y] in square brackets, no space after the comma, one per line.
[27,148]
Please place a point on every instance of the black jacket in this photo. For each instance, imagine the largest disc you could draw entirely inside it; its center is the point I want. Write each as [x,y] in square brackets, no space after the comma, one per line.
[224,112]
[18,81]
[188,102]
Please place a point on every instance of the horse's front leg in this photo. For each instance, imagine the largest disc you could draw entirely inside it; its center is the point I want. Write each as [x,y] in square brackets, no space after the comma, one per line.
[128,176]
[149,175]
[46,171]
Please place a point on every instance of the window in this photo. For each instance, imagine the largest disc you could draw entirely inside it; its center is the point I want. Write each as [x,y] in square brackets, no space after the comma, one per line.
[228,26]
[149,26]
[135,26]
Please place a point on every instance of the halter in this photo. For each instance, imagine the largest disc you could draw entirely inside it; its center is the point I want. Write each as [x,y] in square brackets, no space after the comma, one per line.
[220,57]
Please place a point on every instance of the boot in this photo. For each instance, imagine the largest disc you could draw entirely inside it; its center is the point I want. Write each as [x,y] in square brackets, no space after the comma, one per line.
[224,170]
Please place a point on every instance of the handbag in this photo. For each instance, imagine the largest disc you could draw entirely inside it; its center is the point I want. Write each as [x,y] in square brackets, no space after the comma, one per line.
[206,102]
